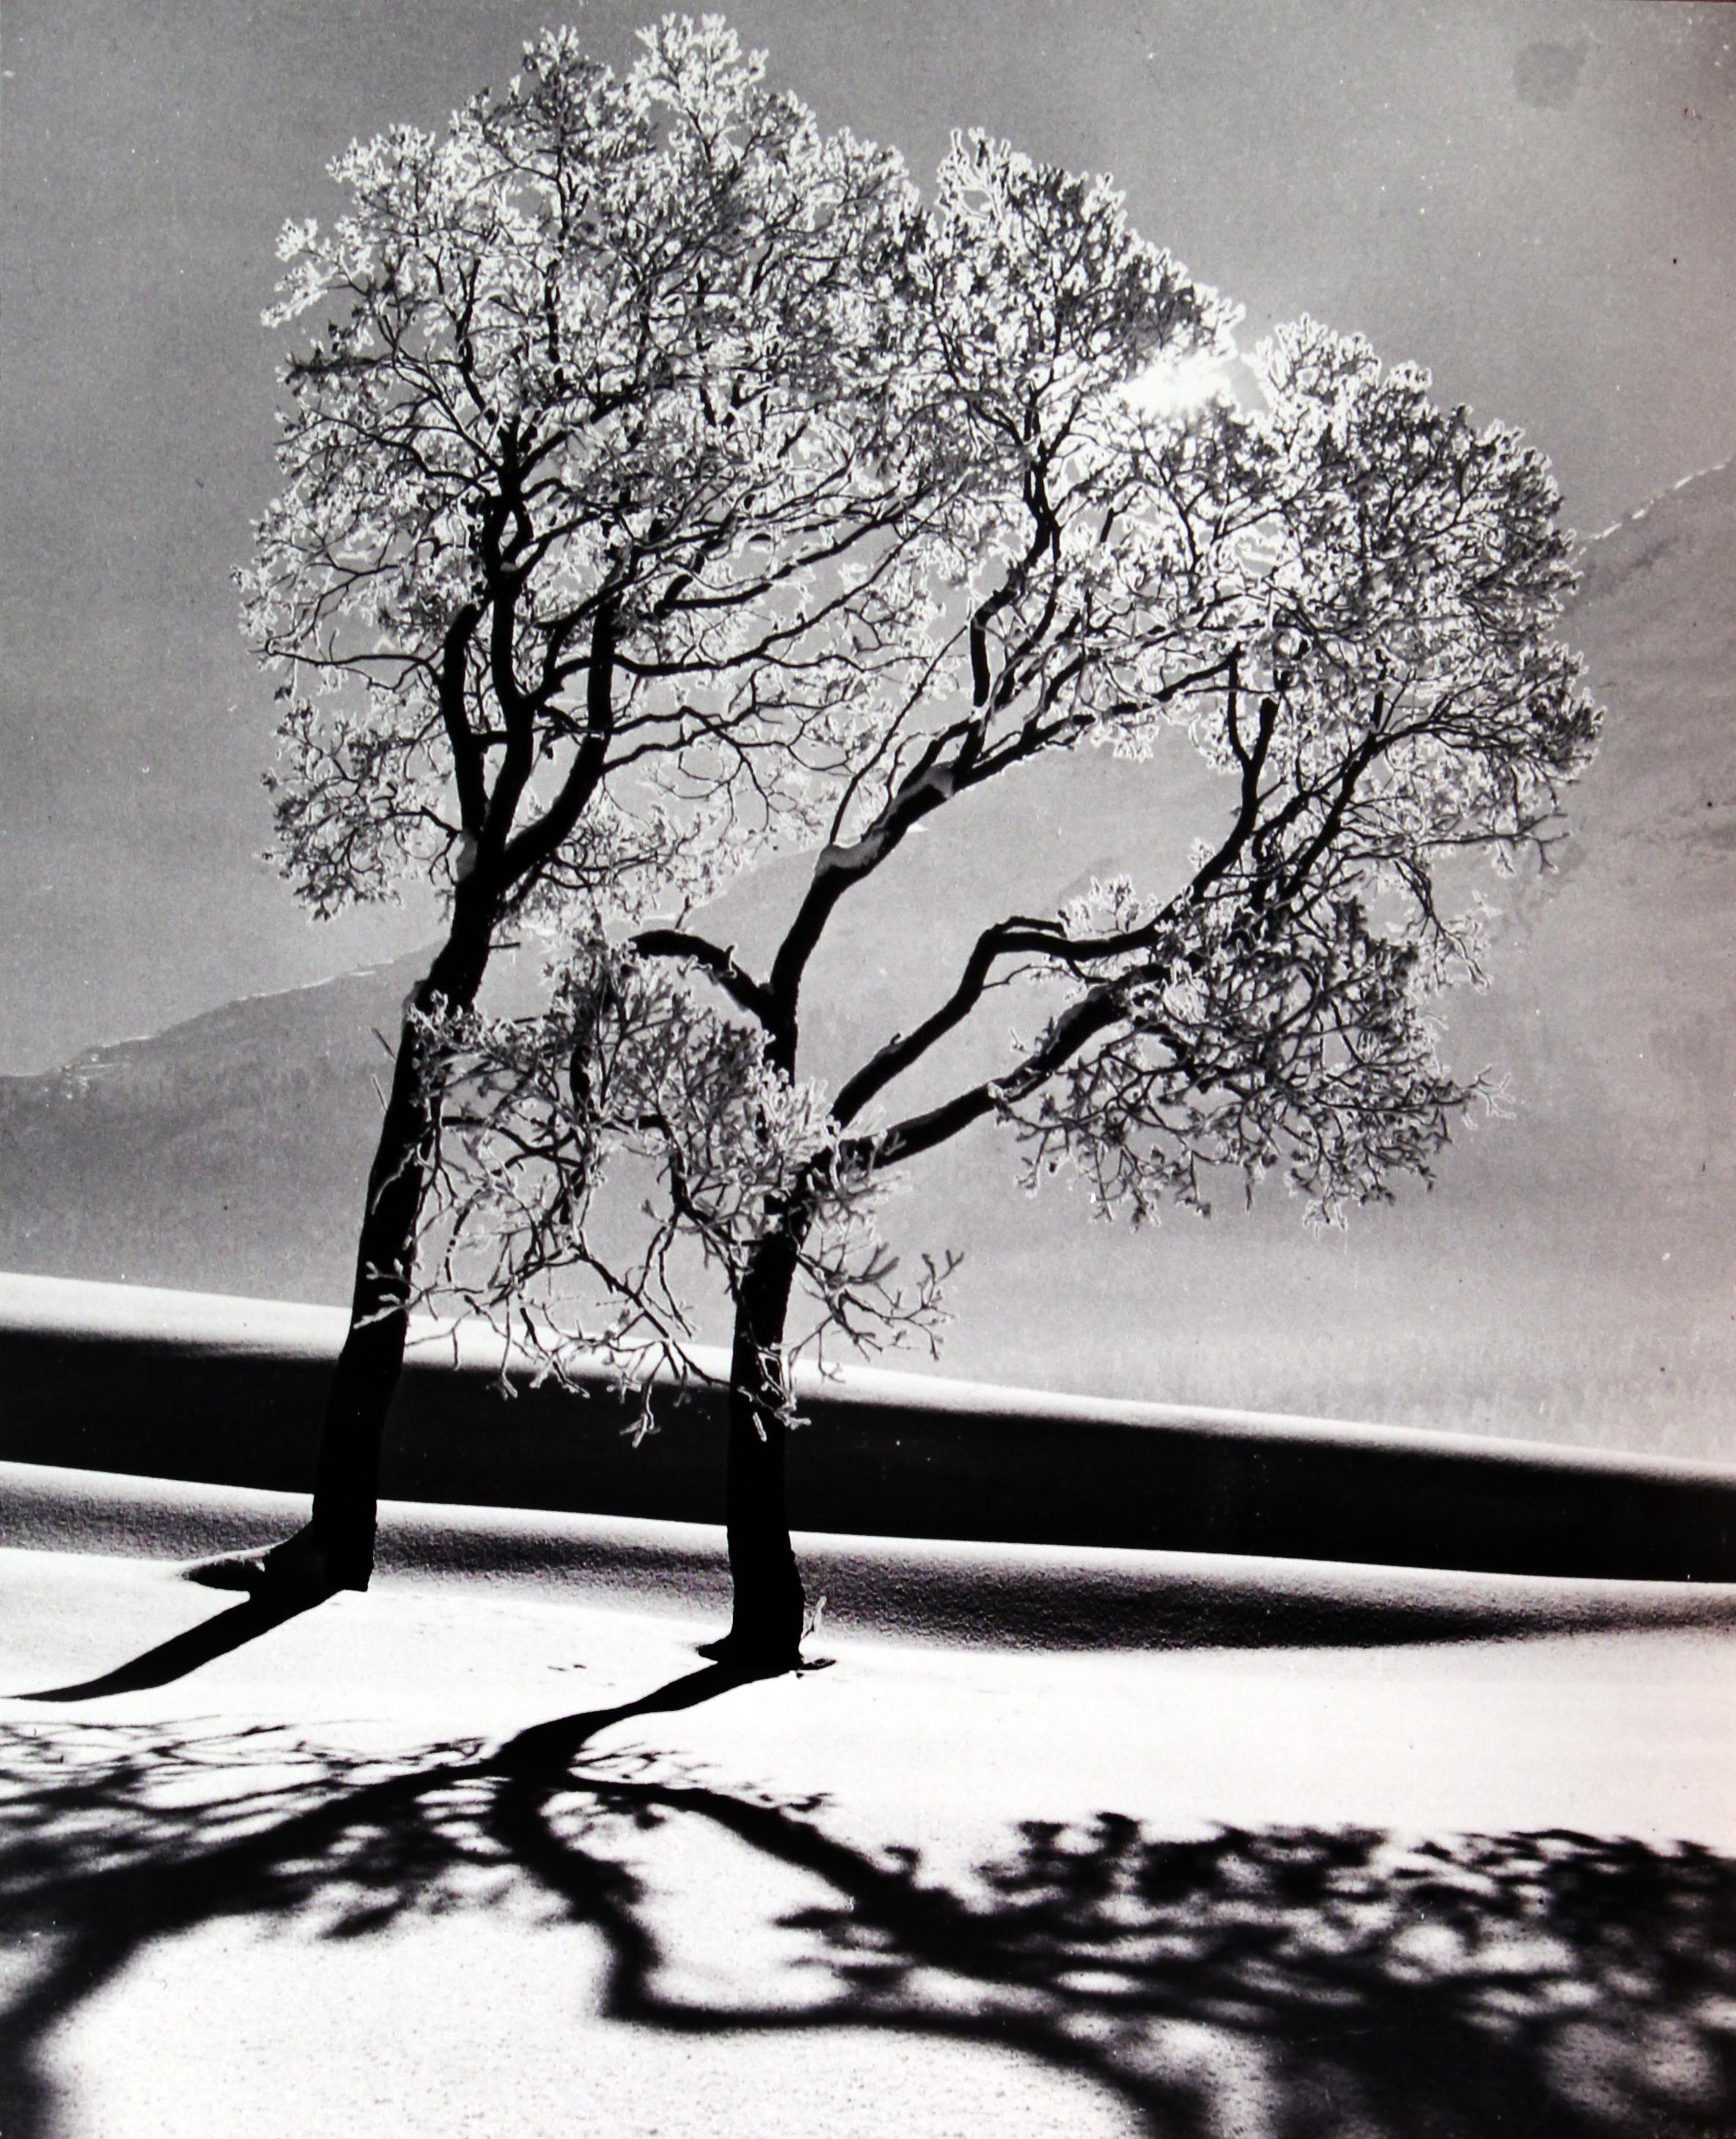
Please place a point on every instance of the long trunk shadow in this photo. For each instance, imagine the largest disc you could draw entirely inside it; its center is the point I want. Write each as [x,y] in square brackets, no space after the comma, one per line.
[545,1751]
[184,1653]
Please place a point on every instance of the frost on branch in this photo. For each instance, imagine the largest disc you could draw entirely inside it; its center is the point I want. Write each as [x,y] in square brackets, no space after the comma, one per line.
[1382,580]
[598,464]
[1301,1049]
[598,1159]
[1343,596]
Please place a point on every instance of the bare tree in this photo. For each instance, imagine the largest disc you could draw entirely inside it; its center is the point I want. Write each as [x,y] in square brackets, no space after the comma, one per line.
[1345,596]
[605,440]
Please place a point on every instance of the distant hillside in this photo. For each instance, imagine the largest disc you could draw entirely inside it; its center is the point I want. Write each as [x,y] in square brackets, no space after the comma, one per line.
[228,1152]
[1571,1275]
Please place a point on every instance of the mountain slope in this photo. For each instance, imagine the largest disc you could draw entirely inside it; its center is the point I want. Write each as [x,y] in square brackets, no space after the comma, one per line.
[228,1152]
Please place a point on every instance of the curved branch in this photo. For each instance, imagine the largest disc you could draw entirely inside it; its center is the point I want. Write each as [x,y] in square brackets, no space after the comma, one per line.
[467,746]
[1081,1023]
[905,1049]
[718,963]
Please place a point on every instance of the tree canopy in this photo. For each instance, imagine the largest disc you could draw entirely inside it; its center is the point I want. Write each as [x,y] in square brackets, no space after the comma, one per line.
[604,444]
[1343,595]
[601,469]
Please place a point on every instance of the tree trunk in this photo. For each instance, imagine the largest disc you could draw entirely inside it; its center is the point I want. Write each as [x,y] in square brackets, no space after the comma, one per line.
[336,1549]
[765,1632]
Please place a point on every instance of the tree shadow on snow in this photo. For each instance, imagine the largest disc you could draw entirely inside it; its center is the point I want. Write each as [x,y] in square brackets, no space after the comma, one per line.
[1216,1611]
[184,1653]
[1295,1983]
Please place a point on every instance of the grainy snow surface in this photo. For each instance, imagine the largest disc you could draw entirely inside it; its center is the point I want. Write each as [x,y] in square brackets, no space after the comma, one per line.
[392,1866]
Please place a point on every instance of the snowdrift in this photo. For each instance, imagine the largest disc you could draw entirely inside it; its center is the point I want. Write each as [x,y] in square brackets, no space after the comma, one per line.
[227,1392]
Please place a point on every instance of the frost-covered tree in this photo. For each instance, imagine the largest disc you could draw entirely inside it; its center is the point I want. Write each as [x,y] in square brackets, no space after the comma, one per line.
[600,447]
[1344,594]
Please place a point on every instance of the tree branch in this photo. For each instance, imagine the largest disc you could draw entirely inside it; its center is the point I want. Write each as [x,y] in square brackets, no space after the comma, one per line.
[717,963]
[1094,1013]
[904,1048]
[1252,762]
[539,842]
[466,746]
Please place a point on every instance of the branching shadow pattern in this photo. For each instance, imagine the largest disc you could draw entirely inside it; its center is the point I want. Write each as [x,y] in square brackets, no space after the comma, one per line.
[1291,1983]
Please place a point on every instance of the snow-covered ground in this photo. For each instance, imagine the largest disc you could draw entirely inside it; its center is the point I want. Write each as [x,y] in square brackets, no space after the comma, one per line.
[187,1385]
[488,1850]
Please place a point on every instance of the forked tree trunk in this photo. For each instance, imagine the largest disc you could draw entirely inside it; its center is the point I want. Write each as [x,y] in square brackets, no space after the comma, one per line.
[765,1633]
[347,1481]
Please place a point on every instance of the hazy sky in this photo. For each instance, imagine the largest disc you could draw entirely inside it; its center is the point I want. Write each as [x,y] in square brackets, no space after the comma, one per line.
[1533,197]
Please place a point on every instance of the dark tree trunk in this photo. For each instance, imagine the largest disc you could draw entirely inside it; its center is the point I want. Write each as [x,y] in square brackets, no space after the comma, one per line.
[765,1632]
[336,1549]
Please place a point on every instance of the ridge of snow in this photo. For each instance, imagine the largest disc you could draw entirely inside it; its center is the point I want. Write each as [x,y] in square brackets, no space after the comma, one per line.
[227,1323]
